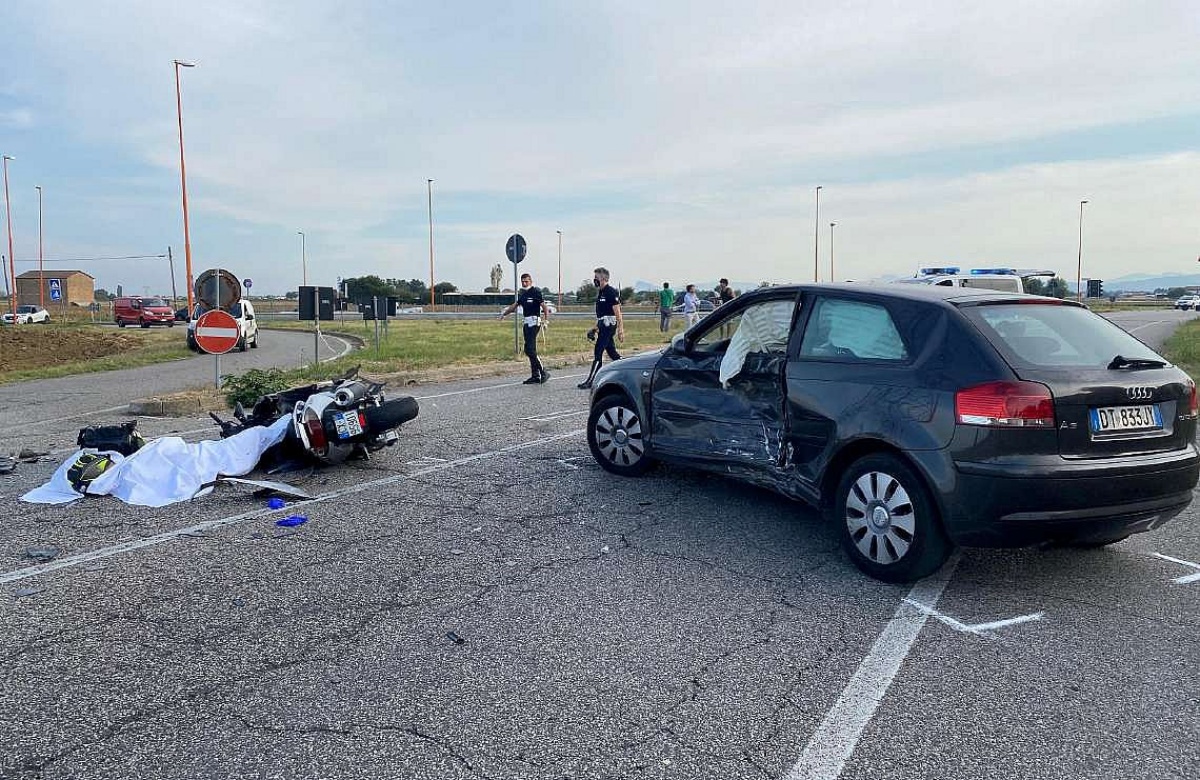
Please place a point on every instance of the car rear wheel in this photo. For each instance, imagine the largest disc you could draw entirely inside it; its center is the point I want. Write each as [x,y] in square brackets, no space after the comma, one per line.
[254,342]
[241,345]
[887,521]
[615,437]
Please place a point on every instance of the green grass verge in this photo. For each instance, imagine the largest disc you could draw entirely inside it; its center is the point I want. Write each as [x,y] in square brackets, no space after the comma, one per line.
[1183,347]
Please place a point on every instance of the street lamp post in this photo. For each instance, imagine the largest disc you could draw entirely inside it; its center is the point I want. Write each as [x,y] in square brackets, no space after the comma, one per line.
[832,225]
[429,185]
[41,269]
[303,259]
[1079,257]
[559,269]
[187,238]
[12,267]
[817,240]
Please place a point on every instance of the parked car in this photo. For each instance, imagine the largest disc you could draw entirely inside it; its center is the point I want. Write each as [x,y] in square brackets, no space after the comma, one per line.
[917,417]
[27,314]
[1188,302]
[704,306]
[136,310]
[243,312]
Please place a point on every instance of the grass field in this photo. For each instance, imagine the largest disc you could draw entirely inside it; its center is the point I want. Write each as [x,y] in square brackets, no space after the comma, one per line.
[1183,347]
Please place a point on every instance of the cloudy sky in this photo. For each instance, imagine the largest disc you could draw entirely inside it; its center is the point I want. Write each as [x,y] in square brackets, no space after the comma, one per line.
[674,140]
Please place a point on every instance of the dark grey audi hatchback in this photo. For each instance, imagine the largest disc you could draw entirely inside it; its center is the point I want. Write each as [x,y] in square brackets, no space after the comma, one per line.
[916,418]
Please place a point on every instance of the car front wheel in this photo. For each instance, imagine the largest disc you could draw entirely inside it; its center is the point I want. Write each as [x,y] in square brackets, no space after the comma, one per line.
[615,437]
[887,522]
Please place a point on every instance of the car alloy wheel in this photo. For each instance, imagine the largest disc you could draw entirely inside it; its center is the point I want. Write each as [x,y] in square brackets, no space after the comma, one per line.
[615,437]
[887,521]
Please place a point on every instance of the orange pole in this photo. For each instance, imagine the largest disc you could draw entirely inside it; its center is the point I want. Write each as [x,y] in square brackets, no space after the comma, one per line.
[12,267]
[41,268]
[187,238]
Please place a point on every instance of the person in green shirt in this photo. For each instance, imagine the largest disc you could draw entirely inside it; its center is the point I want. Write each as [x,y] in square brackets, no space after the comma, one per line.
[666,299]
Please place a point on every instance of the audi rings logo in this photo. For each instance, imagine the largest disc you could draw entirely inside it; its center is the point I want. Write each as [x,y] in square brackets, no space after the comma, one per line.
[1139,393]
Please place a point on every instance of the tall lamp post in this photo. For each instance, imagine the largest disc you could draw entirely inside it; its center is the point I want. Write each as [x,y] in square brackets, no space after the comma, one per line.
[12,267]
[817,240]
[303,258]
[832,225]
[1079,257]
[429,184]
[187,237]
[559,269]
[41,269]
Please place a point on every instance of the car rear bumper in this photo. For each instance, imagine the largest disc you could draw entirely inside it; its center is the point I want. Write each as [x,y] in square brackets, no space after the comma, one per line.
[1009,506]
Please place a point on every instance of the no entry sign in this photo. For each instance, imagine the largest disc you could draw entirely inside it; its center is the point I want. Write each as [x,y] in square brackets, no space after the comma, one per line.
[217,332]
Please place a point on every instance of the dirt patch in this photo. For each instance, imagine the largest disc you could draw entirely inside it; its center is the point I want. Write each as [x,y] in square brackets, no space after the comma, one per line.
[28,347]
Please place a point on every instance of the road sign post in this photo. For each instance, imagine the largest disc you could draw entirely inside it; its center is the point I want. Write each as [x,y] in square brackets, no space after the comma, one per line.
[515,249]
[217,332]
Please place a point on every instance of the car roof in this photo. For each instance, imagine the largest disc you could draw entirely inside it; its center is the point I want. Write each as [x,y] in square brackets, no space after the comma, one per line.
[955,296]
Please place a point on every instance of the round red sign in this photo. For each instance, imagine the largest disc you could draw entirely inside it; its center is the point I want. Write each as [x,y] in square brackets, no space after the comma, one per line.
[217,332]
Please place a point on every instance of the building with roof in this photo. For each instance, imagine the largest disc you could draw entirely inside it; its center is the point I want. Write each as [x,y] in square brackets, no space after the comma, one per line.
[57,288]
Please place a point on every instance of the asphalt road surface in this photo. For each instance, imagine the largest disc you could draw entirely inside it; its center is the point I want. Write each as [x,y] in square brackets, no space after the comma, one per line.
[483,601]
[70,402]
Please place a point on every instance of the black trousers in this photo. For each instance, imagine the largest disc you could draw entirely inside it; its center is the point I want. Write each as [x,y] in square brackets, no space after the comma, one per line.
[531,336]
[605,342]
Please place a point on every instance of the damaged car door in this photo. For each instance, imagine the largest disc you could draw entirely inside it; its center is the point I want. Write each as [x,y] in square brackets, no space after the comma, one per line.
[717,396]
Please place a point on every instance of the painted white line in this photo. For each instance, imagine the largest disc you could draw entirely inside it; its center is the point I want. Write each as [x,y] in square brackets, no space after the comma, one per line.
[567,464]
[68,417]
[1187,578]
[974,628]
[490,387]
[831,745]
[556,416]
[198,528]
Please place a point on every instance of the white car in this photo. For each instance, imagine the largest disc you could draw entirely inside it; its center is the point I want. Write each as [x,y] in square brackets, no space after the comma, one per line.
[1188,302]
[243,312]
[27,315]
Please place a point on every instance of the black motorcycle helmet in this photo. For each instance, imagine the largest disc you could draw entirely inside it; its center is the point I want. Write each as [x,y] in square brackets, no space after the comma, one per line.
[86,468]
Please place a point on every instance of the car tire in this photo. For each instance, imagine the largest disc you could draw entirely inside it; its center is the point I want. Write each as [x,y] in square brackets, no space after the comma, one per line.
[254,343]
[171,324]
[144,324]
[887,521]
[241,345]
[615,437]
[120,323]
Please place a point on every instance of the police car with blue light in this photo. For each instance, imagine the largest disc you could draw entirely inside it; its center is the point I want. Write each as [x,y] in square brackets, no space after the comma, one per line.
[1009,280]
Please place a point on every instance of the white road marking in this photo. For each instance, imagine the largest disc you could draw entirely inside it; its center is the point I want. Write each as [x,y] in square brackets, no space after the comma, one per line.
[490,387]
[831,745]
[567,464]
[198,528]
[975,628]
[68,417]
[224,333]
[1187,578]
[552,416]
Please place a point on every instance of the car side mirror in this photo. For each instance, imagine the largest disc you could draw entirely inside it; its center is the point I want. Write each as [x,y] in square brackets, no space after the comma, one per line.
[249,316]
[679,344]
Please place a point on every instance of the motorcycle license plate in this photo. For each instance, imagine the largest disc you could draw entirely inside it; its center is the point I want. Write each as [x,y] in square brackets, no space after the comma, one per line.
[1113,419]
[347,424]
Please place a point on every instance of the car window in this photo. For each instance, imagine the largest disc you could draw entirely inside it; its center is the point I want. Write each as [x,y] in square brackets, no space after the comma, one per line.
[1054,335]
[852,330]
[763,327]
[236,310]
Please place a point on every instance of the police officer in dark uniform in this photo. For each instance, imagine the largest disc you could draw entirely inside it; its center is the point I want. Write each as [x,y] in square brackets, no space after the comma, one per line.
[533,306]
[609,323]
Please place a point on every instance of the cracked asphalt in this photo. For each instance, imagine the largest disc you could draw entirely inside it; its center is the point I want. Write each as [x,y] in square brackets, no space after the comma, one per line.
[463,607]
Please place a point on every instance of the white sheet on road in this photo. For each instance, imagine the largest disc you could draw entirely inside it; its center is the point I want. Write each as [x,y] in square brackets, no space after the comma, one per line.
[167,470]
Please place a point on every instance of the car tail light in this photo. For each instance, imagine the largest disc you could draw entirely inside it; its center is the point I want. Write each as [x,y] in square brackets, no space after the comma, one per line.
[1005,404]
[1193,406]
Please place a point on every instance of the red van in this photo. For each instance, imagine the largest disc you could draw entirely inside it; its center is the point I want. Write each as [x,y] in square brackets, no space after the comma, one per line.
[136,310]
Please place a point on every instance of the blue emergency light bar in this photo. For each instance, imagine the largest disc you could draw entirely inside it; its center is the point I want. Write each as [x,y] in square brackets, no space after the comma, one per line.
[950,270]
[994,271]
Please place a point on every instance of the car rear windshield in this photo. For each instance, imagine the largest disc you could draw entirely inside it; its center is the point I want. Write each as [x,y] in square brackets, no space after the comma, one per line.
[1055,335]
